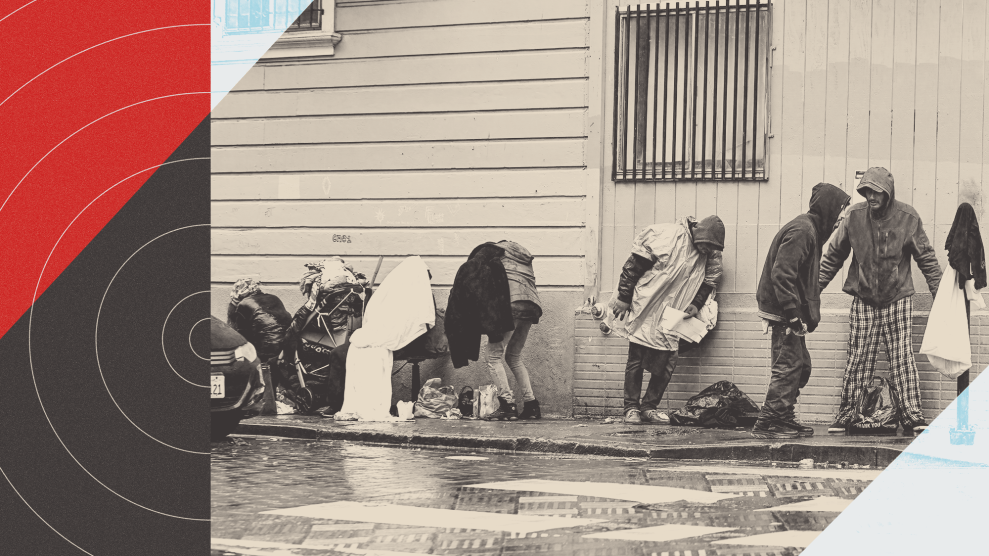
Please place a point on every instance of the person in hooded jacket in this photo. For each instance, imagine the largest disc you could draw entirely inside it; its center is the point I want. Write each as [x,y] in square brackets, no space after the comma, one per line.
[882,234]
[790,304]
[260,318]
[526,311]
[676,265]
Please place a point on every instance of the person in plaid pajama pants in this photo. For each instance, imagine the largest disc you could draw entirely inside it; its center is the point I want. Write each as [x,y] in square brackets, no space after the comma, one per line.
[882,235]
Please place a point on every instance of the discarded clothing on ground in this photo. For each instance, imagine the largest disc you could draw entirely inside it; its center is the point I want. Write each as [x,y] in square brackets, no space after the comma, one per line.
[479,304]
[402,309]
[721,405]
[876,412]
[946,339]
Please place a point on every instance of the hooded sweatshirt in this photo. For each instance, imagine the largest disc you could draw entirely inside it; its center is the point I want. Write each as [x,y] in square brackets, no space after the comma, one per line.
[881,247]
[789,283]
[517,261]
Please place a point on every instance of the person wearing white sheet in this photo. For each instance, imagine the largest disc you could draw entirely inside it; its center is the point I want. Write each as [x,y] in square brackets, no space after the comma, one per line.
[401,310]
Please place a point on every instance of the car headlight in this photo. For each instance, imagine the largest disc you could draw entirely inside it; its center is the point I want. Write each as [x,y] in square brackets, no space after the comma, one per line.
[246,352]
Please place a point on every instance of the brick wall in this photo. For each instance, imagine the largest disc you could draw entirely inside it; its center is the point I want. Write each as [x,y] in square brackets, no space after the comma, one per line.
[736,350]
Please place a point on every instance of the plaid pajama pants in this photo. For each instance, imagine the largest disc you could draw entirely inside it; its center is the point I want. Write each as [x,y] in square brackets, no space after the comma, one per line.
[893,325]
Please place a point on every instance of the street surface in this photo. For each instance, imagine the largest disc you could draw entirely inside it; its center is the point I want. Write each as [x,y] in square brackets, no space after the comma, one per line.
[293,497]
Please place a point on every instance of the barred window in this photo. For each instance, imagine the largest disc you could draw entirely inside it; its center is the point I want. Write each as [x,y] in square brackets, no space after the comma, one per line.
[691,94]
[258,16]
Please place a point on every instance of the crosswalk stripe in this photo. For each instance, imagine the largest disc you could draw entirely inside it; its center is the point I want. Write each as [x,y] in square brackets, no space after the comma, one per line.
[646,494]
[820,504]
[800,539]
[660,533]
[433,517]
[859,474]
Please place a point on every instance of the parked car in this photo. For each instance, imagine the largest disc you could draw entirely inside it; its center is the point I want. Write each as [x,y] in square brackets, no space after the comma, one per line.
[236,381]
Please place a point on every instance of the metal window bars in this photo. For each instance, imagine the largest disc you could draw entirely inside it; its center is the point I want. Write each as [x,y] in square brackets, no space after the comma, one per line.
[258,16]
[722,50]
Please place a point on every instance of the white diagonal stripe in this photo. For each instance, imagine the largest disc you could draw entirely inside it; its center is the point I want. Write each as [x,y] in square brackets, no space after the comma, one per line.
[799,539]
[645,494]
[821,504]
[661,533]
[850,474]
[432,517]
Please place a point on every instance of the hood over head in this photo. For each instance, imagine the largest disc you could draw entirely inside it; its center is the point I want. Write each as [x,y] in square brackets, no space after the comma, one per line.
[487,250]
[710,230]
[516,252]
[826,202]
[879,179]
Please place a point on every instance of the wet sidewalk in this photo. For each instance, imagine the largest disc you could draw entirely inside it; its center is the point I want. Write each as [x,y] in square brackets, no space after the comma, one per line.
[592,437]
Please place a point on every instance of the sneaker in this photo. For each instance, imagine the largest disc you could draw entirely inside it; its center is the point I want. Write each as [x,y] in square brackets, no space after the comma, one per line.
[531,410]
[655,416]
[802,430]
[765,428]
[632,417]
[506,412]
[915,428]
[837,427]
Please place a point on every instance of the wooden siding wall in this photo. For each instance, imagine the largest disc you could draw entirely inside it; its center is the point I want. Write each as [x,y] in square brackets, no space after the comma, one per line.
[437,125]
[854,84]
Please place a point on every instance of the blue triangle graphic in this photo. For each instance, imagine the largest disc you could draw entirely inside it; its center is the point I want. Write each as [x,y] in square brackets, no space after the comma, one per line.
[234,52]
[931,499]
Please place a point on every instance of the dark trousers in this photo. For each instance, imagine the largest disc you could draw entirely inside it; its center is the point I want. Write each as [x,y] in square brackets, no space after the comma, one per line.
[791,371]
[659,363]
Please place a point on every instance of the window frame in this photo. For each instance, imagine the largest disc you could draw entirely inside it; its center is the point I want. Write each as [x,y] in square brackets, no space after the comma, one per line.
[292,43]
[750,98]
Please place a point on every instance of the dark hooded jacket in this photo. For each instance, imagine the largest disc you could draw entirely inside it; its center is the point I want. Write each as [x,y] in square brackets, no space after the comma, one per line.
[965,251]
[263,321]
[881,247]
[480,303]
[789,283]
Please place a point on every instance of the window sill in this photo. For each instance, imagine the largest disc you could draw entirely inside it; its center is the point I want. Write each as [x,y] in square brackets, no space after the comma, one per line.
[303,44]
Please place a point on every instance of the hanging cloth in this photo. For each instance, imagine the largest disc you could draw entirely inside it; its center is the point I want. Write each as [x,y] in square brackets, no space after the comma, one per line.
[965,251]
[400,311]
[946,341]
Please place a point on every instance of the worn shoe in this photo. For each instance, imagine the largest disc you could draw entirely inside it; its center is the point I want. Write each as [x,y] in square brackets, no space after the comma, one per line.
[531,410]
[772,429]
[655,416]
[837,427]
[632,417]
[802,430]
[915,428]
[506,412]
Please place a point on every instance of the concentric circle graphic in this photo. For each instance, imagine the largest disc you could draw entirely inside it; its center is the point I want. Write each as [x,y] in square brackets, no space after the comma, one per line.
[180,243]
[98,312]
[192,349]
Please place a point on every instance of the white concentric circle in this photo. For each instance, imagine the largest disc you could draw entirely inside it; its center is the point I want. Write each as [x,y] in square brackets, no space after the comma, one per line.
[31,359]
[165,352]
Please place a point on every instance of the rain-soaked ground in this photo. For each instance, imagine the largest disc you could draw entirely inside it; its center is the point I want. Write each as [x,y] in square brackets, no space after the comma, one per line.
[293,497]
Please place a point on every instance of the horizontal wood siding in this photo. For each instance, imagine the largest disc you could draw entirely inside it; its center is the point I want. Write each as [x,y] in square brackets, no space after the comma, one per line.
[437,125]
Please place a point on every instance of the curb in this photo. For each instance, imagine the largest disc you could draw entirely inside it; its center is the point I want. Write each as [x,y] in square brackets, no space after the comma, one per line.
[873,456]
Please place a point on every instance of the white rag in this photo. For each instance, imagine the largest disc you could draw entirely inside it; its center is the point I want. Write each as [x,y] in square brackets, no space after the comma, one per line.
[946,341]
[400,311]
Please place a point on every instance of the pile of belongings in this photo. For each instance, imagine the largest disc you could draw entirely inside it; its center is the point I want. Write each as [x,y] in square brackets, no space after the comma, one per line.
[720,405]
[336,296]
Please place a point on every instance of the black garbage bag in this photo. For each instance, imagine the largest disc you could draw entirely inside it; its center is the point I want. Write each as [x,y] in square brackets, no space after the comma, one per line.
[876,411]
[720,405]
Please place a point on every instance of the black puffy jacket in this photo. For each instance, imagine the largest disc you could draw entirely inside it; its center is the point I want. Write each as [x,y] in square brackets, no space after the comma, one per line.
[263,321]
[480,303]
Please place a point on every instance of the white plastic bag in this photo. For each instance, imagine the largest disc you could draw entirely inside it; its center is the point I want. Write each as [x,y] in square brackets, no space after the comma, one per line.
[486,401]
[946,341]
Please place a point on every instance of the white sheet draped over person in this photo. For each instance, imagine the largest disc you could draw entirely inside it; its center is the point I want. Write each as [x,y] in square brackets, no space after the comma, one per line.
[400,311]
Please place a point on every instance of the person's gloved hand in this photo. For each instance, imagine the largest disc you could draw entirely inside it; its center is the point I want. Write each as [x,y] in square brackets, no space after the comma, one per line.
[793,322]
[618,308]
[690,311]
